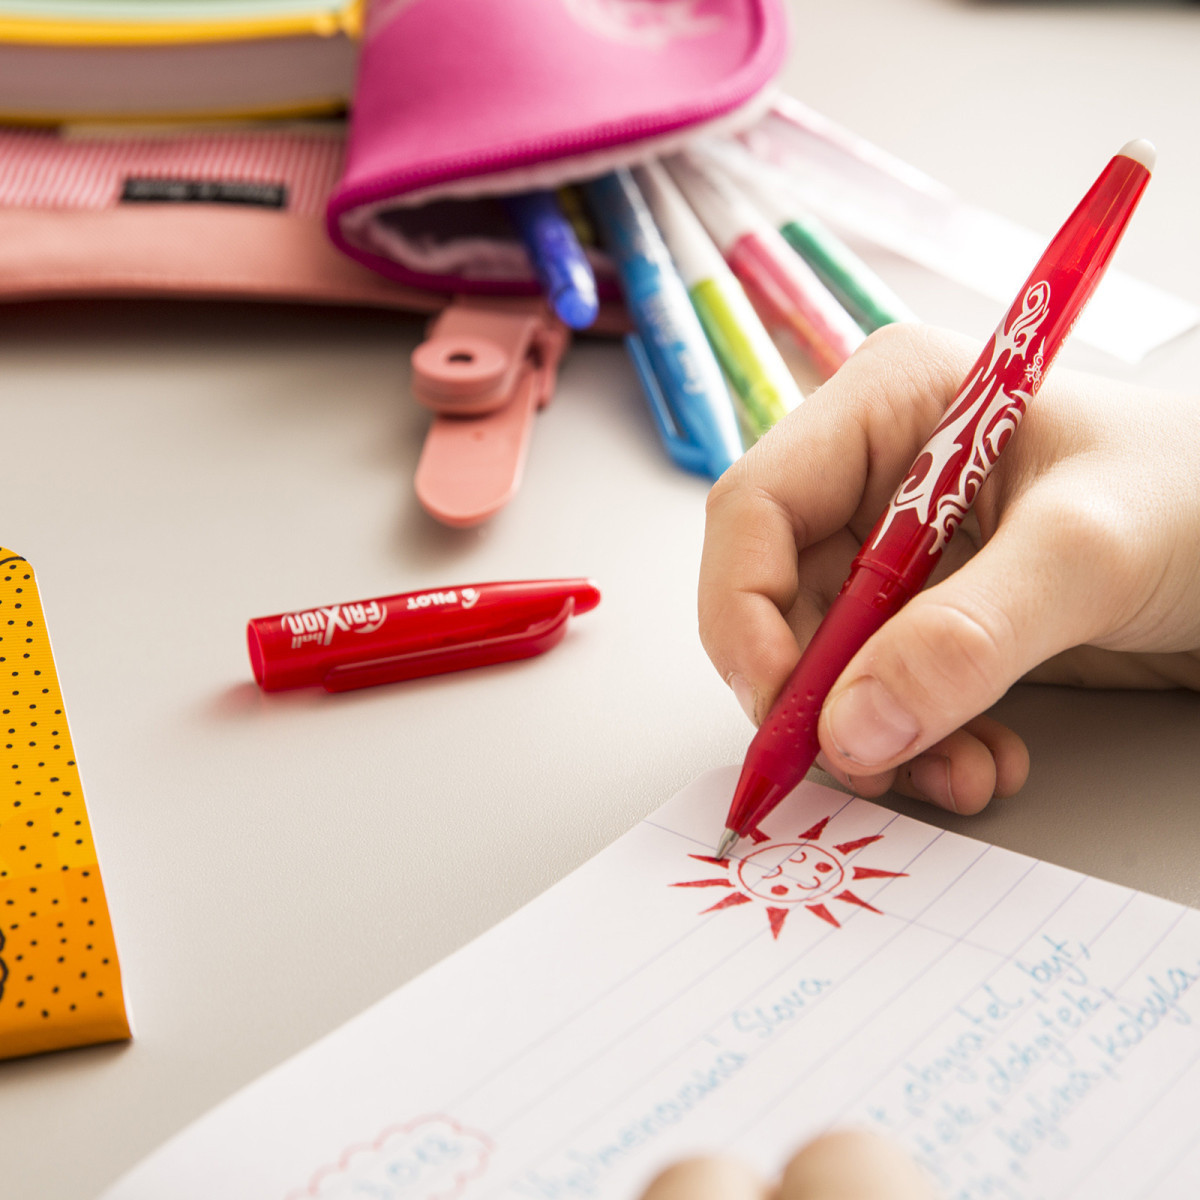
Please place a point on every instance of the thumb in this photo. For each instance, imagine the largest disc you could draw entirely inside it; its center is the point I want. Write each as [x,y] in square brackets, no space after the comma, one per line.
[956,648]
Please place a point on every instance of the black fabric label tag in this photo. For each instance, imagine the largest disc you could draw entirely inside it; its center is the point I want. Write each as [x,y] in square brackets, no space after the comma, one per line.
[138,190]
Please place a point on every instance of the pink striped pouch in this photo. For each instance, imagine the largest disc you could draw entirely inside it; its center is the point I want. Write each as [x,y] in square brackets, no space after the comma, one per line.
[235,214]
[462,99]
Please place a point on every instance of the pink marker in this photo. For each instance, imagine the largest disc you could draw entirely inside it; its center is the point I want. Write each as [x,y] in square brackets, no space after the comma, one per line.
[784,285]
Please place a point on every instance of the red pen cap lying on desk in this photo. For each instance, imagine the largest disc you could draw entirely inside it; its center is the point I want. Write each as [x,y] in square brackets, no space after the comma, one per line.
[344,646]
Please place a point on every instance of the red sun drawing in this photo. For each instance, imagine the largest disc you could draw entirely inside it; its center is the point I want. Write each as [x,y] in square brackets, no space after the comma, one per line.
[786,875]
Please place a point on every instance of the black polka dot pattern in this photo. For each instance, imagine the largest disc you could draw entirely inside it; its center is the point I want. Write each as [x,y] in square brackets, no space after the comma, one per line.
[59,977]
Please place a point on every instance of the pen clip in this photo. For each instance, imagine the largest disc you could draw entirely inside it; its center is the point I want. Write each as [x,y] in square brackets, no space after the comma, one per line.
[486,367]
[539,632]
[687,454]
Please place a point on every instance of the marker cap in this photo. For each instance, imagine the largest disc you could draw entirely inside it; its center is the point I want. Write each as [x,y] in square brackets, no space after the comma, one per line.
[413,634]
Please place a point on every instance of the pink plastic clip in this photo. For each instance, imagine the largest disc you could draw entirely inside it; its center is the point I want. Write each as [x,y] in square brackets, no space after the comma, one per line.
[486,368]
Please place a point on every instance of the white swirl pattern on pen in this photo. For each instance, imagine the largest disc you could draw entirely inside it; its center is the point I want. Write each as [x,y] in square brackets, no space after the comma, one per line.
[974,430]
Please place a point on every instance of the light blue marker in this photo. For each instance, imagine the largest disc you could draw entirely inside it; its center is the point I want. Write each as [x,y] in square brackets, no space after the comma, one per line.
[558,259]
[683,383]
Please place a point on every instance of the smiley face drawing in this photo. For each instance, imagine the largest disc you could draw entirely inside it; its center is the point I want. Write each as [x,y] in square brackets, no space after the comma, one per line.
[805,872]
[785,875]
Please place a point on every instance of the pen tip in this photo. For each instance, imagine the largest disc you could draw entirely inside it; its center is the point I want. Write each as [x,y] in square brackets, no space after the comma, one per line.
[726,842]
[1141,151]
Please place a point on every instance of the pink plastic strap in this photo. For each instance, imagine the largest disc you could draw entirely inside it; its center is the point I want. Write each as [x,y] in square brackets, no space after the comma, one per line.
[486,368]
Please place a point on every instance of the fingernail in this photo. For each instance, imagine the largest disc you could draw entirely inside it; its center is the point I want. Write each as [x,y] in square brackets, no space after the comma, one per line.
[747,697]
[868,726]
[930,775]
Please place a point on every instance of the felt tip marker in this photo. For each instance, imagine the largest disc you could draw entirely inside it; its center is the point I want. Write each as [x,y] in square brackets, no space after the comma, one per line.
[788,288]
[684,387]
[743,347]
[558,258]
[860,291]
[414,634]
[936,494]
[865,296]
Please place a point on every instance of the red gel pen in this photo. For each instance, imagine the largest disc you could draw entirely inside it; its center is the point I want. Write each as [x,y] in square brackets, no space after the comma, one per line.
[941,485]
[344,646]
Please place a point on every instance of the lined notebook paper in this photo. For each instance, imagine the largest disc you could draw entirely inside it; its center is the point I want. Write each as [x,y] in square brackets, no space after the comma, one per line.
[1026,1031]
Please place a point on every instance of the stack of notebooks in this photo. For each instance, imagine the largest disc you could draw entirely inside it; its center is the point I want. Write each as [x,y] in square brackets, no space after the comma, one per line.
[113,60]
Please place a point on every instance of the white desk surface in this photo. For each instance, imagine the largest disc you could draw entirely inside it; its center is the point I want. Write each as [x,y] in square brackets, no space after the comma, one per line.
[275,864]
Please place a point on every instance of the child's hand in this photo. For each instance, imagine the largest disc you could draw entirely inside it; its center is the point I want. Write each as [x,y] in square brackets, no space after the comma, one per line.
[838,1166]
[1080,563]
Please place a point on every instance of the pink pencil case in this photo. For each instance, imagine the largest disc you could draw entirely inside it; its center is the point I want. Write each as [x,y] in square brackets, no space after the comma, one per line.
[459,101]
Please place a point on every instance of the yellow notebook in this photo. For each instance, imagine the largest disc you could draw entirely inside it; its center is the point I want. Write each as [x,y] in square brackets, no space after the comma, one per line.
[77,60]
[60,982]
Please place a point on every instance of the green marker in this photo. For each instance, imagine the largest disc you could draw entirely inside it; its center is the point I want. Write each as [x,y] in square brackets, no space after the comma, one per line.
[760,378]
[861,292]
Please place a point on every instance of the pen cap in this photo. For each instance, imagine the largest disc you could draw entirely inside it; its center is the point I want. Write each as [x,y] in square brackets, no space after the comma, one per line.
[343,646]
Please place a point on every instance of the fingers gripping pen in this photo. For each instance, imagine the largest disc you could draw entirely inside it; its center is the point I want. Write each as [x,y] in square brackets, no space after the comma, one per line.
[930,503]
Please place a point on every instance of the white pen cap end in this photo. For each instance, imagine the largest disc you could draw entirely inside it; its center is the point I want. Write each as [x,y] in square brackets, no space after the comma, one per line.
[1141,151]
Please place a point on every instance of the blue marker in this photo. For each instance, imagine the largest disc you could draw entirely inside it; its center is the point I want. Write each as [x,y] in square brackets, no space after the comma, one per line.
[683,383]
[558,259]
